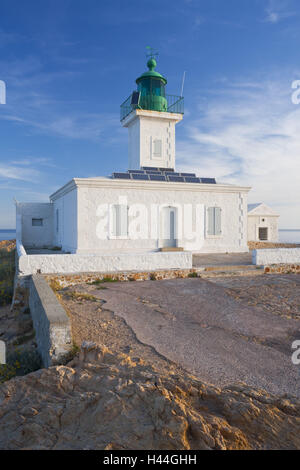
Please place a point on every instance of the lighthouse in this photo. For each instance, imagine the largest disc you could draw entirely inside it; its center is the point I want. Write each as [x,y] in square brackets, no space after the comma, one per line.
[150,116]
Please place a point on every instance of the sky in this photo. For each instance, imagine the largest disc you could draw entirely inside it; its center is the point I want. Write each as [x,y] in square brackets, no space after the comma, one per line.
[69,64]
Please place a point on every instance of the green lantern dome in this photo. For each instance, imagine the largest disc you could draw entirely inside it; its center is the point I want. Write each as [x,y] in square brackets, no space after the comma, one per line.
[151,86]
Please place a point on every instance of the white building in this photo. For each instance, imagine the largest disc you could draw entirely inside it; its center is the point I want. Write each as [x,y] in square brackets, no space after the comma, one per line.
[151,206]
[262,223]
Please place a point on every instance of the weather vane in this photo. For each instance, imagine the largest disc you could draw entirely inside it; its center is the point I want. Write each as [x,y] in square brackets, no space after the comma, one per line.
[151,52]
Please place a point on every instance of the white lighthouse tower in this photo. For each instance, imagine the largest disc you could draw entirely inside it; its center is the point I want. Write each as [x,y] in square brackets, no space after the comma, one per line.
[150,116]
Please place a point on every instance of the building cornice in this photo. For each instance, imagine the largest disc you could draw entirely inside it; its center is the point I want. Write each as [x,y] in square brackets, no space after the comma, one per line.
[136,113]
[146,185]
[63,190]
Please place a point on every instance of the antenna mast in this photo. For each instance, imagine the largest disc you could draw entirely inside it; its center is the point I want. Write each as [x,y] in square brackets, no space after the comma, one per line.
[183,78]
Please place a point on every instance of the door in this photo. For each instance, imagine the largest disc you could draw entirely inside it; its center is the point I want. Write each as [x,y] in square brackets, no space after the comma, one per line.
[263,233]
[169,227]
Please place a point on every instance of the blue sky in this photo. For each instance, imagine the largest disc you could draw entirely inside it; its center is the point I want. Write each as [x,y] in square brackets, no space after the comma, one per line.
[69,64]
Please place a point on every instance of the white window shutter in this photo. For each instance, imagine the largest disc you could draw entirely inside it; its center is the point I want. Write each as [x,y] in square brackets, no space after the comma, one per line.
[123,215]
[218,224]
[211,221]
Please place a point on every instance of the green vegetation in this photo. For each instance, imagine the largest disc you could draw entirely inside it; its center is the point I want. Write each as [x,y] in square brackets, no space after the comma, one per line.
[194,274]
[69,356]
[104,279]
[55,285]
[152,277]
[81,296]
[20,363]
[7,272]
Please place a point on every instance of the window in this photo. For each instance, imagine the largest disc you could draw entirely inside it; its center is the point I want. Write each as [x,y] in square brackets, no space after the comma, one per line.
[214,221]
[157,148]
[119,226]
[263,233]
[57,220]
[37,222]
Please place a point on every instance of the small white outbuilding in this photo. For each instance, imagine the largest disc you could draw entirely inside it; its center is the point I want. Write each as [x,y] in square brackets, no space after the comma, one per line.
[262,223]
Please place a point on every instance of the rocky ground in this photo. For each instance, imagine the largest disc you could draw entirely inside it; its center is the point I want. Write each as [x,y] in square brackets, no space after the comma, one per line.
[120,393]
[218,340]
[109,400]
[16,328]
[278,294]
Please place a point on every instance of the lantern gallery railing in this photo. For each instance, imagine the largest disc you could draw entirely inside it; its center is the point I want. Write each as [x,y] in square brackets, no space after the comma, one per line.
[174,104]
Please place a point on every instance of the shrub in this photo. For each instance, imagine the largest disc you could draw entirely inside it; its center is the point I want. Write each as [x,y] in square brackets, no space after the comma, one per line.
[20,363]
[104,279]
[7,273]
[7,372]
[194,274]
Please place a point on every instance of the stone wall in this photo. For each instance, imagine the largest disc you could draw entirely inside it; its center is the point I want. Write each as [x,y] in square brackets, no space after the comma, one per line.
[51,323]
[65,280]
[276,256]
[282,269]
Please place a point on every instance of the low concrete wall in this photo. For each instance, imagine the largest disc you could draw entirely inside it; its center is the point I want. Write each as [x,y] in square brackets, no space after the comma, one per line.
[51,323]
[76,263]
[276,256]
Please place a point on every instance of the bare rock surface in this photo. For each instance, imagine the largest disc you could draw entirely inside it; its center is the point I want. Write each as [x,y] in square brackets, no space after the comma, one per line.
[200,325]
[105,400]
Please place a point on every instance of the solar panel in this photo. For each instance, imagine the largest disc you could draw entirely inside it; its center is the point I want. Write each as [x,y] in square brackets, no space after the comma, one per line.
[166,174]
[208,180]
[151,168]
[123,176]
[135,98]
[176,179]
[157,178]
[191,179]
[138,176]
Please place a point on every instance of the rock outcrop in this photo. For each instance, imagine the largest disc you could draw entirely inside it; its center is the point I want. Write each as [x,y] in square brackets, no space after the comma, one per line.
[103,400]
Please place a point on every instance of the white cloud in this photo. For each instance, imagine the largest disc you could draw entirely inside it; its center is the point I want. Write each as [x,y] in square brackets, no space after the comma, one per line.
[28,105]
[250,136]
[278,10]
[17,172]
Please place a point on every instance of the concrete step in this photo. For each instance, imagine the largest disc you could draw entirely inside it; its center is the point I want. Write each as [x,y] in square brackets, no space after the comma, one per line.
[229,267]
[257,271]
[171,248]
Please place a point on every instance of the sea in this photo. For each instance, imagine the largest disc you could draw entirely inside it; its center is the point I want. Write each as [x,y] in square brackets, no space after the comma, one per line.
[7,234]
[289,236]
[285,236]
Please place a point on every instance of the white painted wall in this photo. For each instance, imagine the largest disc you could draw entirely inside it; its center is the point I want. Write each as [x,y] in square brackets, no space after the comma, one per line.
[66,231]
[31,235]
[104,263]
[144,127]
[95,196]
[276,256]
[256,221]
